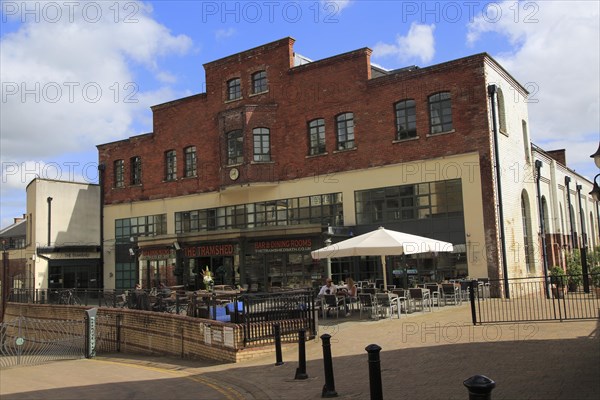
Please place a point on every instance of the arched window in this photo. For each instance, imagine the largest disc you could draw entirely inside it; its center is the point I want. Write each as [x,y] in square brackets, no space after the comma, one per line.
[545,215]
[259,82]
[316,136]
[440,112]
[502,112]
[406,120]
[190,161]
[527,233]
[262,144]
[234,89]
[235,147]
[526,144]
[592,231]
[345,131]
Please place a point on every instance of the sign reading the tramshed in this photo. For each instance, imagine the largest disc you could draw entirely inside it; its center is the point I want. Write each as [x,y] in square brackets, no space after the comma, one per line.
[209,250]
[283,246]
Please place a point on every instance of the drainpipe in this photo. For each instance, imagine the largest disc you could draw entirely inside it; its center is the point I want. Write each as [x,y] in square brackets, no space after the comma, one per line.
[583,248]
[538,166]
[492,91]
[49,200]
[101,169]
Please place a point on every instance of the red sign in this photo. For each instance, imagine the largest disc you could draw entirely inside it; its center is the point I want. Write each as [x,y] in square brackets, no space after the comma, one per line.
[157,254]
[209,250]
[285,245]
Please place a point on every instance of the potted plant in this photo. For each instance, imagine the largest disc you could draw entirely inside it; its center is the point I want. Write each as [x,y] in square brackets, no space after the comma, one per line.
[557,279]
[595,279]
[574,272]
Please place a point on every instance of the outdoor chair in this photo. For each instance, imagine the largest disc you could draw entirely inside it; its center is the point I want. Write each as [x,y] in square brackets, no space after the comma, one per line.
[449,292]
[421,297]
[387,304]
[434,292]
[330,302]
[366,303]
[404,298]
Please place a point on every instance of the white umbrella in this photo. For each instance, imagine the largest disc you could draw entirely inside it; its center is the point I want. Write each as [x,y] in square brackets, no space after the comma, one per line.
[382,242]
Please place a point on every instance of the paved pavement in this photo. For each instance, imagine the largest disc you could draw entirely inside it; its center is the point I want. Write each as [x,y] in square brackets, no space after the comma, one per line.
[424,356]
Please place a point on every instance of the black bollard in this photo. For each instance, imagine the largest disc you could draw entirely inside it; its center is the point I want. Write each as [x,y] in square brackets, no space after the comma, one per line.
[301,370]
[277,333]
[375,372]
[329,387]
[480,387]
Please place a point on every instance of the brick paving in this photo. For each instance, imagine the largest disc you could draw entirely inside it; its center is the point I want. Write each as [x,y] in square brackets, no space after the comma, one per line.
[426,355]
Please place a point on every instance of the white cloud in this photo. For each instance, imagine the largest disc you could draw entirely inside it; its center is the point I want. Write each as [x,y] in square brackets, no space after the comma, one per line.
[419,43]
[557,55]
[221,34]
[77,79]
[71,83]
[338,4]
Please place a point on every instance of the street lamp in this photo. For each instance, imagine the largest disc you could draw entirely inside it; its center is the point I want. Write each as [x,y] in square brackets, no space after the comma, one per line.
[595,193]
[596,156]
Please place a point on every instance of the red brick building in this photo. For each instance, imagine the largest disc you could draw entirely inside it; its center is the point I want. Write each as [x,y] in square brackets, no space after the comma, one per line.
[245,178]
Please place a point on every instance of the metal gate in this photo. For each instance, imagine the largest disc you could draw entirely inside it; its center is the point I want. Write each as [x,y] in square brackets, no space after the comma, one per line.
[532,299]
[29,341]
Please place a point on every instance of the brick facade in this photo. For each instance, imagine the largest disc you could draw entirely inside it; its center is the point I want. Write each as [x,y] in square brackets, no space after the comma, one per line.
[345,83]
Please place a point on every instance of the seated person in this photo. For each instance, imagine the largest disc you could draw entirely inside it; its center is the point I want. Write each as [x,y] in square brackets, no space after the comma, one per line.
[328,288]
[351,293]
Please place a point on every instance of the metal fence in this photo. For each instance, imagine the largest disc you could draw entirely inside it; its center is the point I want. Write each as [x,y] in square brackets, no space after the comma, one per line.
[537,299]
[27,341]
[256,312]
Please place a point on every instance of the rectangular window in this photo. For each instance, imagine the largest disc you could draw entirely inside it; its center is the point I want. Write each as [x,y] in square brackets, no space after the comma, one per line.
[345,131]
[316,136]
[136,170]
[170,165]
[190,161]
[440,112]
[119,169]
[406,120]
[262,144]
[234,89]
[259,82]
[235,147]
[442,199]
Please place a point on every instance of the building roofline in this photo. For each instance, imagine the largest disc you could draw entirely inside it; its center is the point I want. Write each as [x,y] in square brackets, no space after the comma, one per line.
[288,40]
[543,152]
[177,101]
[328,60]
[60,181]
[15,225]
[126,140]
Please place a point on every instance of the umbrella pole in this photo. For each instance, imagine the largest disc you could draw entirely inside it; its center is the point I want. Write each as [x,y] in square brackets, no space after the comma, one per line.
[383,270]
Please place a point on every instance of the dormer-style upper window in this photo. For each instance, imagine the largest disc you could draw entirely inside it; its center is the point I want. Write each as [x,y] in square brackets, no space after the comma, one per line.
[234,89]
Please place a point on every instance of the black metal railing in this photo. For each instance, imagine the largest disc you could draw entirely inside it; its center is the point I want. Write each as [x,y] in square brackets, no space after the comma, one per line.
[256,312]
[538,299]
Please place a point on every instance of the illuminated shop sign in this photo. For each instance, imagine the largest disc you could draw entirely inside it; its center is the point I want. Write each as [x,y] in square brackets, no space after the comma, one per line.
[209,250]
[286,245]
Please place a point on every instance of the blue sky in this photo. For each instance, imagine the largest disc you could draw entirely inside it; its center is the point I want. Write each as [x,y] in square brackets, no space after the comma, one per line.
[77,74]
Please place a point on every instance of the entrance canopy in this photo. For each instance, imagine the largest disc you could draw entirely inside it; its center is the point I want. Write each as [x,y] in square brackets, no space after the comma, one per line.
[382,242]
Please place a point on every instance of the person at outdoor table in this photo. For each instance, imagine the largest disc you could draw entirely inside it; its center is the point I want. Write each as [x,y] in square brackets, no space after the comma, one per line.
[328,288]
[351,294]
